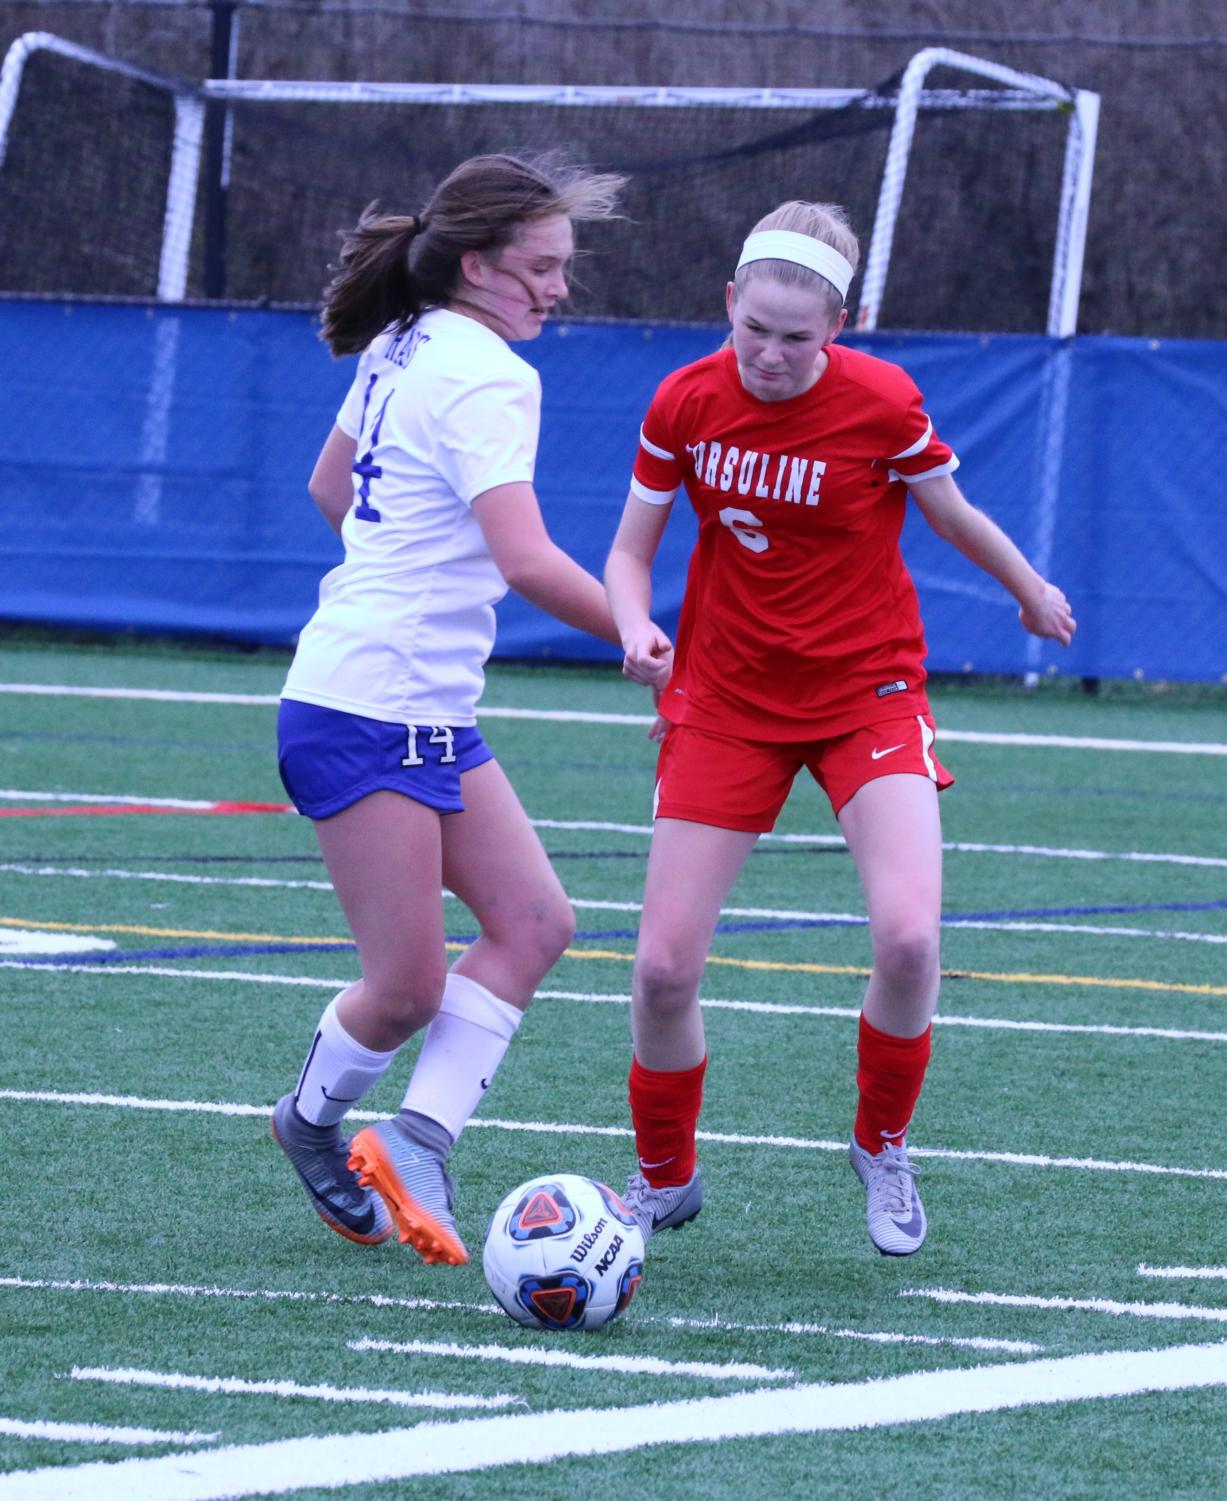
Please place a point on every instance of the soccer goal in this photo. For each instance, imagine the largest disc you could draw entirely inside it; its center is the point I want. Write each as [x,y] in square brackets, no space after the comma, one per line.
[968,182]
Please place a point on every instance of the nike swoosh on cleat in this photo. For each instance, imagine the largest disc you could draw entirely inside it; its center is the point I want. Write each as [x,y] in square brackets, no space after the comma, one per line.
[876,755]
[914,1225]
[364,1225]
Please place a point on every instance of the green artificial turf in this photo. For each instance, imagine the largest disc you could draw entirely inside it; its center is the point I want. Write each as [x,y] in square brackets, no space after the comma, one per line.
[182,1243]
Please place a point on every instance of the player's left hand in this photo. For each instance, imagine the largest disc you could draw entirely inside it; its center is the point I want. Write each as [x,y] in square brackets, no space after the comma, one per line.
[1049,615]
[660,725]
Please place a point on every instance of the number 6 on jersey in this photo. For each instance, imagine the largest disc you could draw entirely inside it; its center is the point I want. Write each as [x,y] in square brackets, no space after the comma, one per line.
[739,523]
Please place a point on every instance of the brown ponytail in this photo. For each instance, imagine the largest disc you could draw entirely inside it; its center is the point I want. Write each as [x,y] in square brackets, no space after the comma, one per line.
[374,287]
[393,267]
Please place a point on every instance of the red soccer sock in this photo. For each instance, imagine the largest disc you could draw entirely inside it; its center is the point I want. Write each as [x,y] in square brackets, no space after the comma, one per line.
[890,1073]
[665,1109]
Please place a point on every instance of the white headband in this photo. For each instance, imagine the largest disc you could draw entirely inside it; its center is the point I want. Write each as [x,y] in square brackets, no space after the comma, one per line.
[803,250]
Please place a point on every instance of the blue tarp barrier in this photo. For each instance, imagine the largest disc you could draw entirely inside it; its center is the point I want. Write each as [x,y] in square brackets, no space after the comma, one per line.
[153,466]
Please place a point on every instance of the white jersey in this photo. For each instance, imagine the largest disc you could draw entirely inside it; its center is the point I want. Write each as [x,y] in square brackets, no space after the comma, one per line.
[440,414]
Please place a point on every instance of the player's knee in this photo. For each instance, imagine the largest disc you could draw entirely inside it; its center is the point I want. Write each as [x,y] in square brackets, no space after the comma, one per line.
[666,980]
[555,928]
[534,934]
[907,953]
[407,1000]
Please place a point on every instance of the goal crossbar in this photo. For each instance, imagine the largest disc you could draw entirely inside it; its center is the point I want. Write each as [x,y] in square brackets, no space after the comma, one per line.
[1011,90]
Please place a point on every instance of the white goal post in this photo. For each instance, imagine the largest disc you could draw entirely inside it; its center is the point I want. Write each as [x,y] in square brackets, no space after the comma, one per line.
[185,152]
[1066,284]
[1011,90]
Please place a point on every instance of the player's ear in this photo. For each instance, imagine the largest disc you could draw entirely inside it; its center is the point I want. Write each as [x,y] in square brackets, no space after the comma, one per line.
[474,267]
[837,327]
[730,300]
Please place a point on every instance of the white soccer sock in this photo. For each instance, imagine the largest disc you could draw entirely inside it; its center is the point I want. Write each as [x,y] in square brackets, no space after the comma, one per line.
[337,1073]
[460,1052]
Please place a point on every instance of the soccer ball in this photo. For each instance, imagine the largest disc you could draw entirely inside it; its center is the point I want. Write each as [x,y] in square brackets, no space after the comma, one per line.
[563,1252]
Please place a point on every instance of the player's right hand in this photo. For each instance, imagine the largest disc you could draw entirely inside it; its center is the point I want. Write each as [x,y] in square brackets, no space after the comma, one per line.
[1049,615]
[648,656]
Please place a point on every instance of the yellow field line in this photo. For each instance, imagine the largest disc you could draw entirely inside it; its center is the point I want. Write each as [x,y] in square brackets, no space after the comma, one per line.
[1095,981]
[779,966]
[146,932]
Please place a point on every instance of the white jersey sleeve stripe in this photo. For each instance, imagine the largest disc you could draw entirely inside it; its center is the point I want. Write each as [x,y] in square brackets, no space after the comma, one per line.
[920,444]
[911,479]
[652,497]
[660,453]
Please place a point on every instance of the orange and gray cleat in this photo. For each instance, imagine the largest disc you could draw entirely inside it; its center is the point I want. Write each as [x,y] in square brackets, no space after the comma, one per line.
[412,1181]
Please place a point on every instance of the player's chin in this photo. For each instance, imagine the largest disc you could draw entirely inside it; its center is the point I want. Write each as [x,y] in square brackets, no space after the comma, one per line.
[770,387]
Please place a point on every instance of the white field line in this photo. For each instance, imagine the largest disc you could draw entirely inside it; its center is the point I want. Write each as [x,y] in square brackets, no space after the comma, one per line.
[433,1305]
[965,737]
[962,846]
[235,1386]
[581,716]
[1046,852]
[169,877]
[625,1365]
[96,1433]
[765,1008]
[852,1013]
[13,795]
[572,1129]
[1094,931]
[15,941]
[158,695]
[793,1326]
[237,976]
[1071,1305]
[270,1295]
[1180,1273]
[849,919]
[537,1438]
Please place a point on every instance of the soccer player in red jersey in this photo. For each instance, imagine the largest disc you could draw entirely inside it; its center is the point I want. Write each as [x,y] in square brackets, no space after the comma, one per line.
[800,644]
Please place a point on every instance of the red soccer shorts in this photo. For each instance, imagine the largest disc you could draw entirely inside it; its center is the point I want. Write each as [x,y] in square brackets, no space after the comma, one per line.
[742,784]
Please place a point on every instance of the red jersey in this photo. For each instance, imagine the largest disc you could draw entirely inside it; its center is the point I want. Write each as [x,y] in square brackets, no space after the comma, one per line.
[800,620]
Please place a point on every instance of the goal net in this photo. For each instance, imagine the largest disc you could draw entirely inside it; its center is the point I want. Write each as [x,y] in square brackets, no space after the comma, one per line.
[962,179]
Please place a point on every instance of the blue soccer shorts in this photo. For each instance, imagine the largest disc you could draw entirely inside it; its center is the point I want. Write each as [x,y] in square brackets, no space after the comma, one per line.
[329,760]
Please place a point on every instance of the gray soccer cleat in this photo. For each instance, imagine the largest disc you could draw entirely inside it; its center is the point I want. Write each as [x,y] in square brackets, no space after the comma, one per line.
[319,1157]
[895,1215]
[663,1208]
[412,1181]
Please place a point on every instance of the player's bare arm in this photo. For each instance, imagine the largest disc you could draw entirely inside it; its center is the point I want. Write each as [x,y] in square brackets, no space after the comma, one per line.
[1042,608]
[331,485]
[535,566]
[628,583]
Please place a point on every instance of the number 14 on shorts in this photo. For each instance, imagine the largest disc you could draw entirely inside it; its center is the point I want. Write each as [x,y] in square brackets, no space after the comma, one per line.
[439,735]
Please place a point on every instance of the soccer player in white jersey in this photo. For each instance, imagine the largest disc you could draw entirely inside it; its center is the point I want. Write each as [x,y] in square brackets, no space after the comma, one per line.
[800,645]
[428,478]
